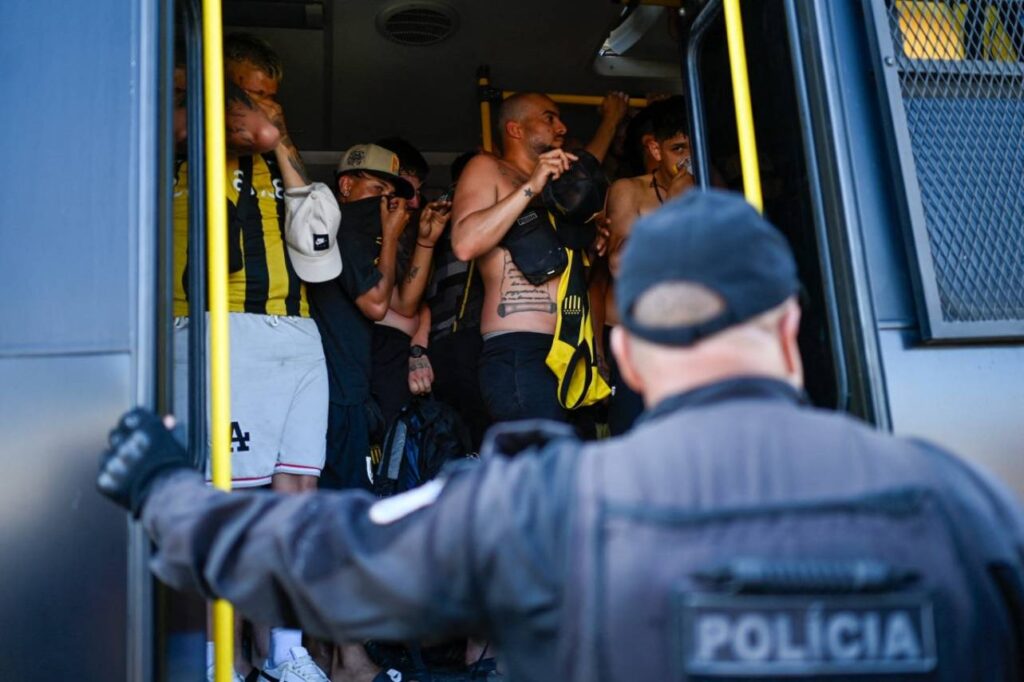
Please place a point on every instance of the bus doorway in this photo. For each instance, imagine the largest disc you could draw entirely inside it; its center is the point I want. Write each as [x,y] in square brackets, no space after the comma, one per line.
[789,185]
[334,100]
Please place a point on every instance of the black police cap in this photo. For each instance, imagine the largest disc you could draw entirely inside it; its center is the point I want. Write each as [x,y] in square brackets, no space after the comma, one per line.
[714,239]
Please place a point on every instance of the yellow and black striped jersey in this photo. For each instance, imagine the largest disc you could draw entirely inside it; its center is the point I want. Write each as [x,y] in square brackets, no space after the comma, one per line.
[264,281]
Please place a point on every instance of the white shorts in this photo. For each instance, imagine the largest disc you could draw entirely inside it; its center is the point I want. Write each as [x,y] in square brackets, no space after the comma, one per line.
[279,395]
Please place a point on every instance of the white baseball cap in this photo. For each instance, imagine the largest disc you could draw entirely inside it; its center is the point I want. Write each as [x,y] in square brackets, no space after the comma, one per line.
[311,225]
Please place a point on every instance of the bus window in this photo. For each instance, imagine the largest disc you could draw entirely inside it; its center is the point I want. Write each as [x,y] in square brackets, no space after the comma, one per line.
[956,122]
[946,31]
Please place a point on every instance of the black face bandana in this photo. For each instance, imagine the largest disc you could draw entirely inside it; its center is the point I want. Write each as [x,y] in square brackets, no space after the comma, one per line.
[359,240]
[361,219]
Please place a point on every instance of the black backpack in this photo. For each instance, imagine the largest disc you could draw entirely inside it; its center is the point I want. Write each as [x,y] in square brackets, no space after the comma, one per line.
[426,435]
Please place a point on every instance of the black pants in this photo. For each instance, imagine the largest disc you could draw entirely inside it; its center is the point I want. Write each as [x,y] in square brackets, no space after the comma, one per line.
[626,404]
[515,382]
[389,379]
[455,358]
[348,447]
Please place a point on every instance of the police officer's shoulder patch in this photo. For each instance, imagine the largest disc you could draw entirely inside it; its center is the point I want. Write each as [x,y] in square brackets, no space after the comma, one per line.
[398,507]
[756,636]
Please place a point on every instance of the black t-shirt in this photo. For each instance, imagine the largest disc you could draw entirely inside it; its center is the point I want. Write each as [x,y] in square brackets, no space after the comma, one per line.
[346,333]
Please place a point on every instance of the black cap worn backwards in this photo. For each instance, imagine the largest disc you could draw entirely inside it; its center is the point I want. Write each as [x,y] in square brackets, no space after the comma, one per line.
[714,239]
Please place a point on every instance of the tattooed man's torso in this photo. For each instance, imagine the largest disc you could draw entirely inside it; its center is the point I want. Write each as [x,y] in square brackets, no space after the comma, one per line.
[511,303]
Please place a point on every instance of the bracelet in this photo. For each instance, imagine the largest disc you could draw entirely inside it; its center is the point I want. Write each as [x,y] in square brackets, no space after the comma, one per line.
[425,246]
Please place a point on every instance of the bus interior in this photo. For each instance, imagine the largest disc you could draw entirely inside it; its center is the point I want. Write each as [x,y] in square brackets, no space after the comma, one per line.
[824,82]
[361,71]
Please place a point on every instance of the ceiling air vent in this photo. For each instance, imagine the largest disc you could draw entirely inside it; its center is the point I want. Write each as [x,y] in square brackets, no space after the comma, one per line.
[417,23]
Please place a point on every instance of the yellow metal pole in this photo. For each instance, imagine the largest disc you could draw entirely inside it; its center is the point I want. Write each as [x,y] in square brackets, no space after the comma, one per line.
[216,246]
[487,137]
[741,97]
[585,100]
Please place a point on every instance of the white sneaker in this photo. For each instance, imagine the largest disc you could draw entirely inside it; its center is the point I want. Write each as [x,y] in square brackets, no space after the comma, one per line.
[298,668]
[236,678]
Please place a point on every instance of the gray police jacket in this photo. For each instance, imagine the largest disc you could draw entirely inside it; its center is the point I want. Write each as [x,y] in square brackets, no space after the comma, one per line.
[732,535]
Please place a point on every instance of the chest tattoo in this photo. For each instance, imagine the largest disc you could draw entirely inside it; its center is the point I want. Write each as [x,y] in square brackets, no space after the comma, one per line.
[515,176]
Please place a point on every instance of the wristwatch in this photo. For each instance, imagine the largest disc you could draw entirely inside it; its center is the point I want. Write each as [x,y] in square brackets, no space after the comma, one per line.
[417,351]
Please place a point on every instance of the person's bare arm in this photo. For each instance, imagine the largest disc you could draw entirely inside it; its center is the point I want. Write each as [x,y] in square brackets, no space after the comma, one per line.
[293,170]
[613,109]
[409,292]
[422,335]
[598,289]
[620,212]
[621,209]
[421,372]
[479,219]
[374,302]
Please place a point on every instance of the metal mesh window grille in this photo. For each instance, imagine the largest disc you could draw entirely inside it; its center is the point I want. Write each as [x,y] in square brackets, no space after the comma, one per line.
[961,76]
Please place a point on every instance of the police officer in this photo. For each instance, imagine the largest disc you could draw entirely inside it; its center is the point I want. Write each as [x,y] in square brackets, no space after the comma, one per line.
[735,533]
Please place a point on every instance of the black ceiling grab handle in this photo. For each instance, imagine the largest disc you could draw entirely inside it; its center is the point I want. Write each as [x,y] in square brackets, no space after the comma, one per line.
[698,126]
[197,409]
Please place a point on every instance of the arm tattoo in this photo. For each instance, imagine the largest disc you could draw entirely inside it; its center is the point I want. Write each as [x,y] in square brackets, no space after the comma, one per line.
[528,192]
[413,271]
[296,162]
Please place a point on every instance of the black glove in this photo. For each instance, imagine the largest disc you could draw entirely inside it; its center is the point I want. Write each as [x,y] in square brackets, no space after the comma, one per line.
[141,450]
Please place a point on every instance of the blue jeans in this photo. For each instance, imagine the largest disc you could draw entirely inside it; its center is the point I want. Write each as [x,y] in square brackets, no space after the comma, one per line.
[514,380]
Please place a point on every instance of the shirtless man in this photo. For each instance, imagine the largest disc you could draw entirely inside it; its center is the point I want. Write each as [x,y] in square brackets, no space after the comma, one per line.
[668,146]
[518,318]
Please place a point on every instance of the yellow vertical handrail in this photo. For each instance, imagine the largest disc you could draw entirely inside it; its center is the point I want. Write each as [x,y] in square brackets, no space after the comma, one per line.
[486,137]
[741,99]
[216,248]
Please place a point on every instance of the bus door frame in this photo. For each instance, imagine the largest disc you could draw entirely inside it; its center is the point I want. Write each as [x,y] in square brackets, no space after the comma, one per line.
[693,80]
[207,281]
